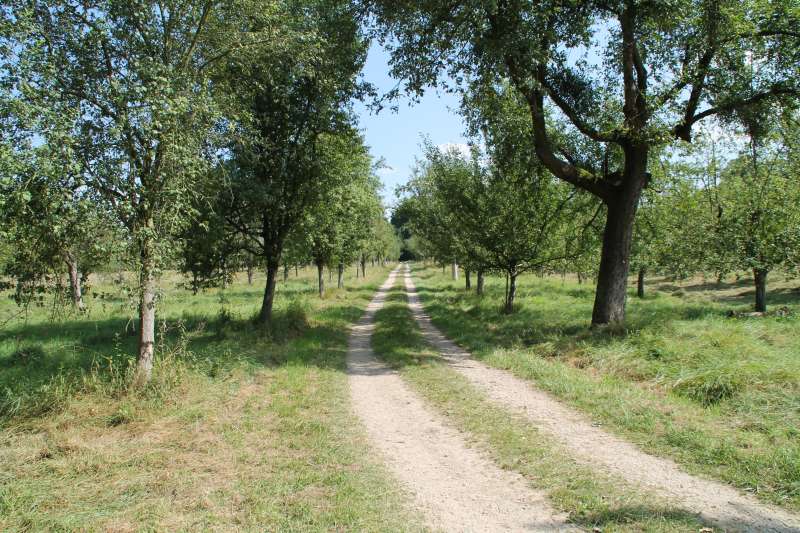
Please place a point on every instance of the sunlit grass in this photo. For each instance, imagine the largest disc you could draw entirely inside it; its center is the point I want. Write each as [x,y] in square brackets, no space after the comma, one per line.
[591,498]
[721,395]
[244,428]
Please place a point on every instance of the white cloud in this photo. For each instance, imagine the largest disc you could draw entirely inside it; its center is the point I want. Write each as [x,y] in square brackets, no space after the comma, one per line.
[462,148]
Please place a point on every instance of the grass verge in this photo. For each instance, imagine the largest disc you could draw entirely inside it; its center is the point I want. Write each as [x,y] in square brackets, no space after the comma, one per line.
[721,396]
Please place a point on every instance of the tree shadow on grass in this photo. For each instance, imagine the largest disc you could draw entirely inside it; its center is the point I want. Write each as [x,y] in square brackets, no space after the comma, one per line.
[35,356]
[614,516]
[563,321]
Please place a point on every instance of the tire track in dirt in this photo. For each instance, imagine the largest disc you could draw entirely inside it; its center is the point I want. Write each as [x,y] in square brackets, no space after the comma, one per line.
[715,502]
[455,487]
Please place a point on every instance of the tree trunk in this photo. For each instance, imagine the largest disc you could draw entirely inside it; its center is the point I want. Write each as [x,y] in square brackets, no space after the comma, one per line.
[511,293]
[249,274]
[75,282]
[147,315]
[286,272]
[296,271]
[580,278]
[454,271]
[356,269]
[340,277]
[321,278]
[479,288]
[760,276]
[363,267]
[372,261]
[442,268]
[467,280]
[640,284]
[265,315]
[612,278]
[330,275]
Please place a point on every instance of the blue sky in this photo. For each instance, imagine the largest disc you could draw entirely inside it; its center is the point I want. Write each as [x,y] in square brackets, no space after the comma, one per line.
[396,136]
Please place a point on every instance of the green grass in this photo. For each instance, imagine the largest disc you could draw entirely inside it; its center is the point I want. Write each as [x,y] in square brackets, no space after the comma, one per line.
[592,499]
[243,428]
[720,395]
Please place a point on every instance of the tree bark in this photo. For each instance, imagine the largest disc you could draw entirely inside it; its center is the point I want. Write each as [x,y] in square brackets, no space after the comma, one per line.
[580,278]
[467,280]
[454,270]
[363,267]
[511,293]
[760,278]
[640,284]
[286,272]
[249,274]
[296,271]
[340,277]
[479,288]
[265,315]
[612,278]
[147,315]
[321,278]
[75,282]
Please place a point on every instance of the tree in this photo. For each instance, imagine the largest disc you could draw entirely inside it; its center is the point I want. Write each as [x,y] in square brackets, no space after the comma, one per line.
[495,228]
[54,224]
[136,75]
[336,226]
[284,103]
[628,76]
[760,205]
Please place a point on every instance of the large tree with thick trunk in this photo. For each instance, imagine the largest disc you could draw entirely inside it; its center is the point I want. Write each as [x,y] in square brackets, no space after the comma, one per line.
[627,75]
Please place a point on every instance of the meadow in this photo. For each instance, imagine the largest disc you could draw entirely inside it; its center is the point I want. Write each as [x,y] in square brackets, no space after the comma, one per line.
[718,394]
[241,427]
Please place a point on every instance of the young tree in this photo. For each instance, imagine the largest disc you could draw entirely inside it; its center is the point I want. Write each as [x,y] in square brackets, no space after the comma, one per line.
[135,73]
[337,225]
[760,204]
[283,102]
[55,226]
[628,76]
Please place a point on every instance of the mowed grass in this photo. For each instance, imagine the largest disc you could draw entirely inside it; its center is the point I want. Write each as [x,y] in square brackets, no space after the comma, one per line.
[593,500]
[720,395]
[243,428]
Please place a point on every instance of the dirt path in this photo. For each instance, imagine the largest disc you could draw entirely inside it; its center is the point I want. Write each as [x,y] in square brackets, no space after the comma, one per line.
[715,502]
[454,486]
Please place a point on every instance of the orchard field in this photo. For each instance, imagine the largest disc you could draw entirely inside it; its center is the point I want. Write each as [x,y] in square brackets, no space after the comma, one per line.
[381,265]
[719,394]
[240,429]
